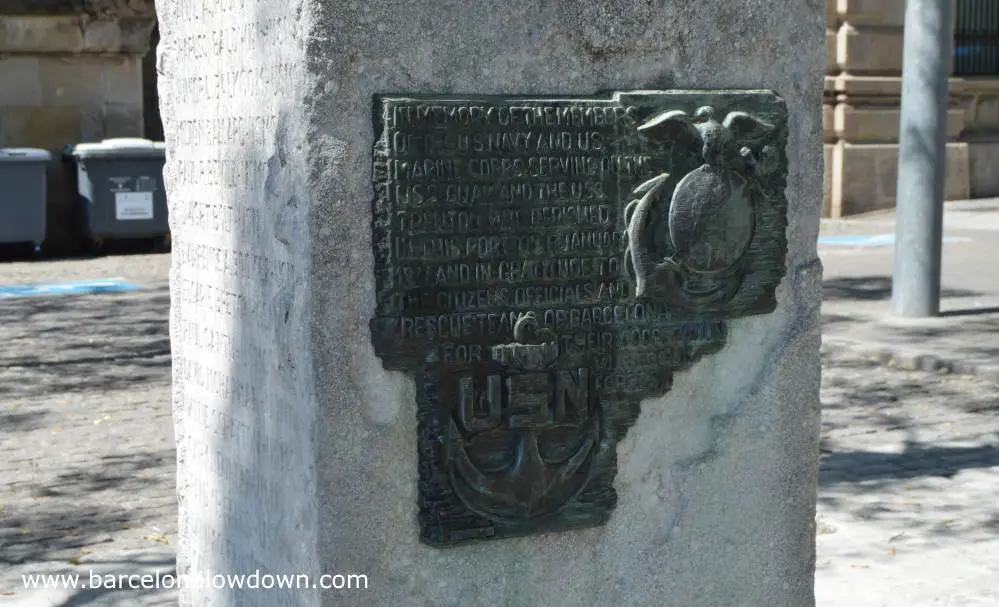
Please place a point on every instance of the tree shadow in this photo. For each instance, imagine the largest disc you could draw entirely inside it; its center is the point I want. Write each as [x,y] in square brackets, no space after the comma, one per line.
[128,596]
[84,343]
[913,451]
[861,393]
[872,288]
[85,387]
[968,312]
[44,533]
[116,472]
[61,515]
[958,341]
[22,422]
[917,460]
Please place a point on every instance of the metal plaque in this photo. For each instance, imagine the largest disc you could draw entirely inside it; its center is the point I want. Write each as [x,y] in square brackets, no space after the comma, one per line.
[544,264]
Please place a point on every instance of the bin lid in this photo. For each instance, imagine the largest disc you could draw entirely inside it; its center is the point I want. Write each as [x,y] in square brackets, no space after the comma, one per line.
[123,147]
[24,155]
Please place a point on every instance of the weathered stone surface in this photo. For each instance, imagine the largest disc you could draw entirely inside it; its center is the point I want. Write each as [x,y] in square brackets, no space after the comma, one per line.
[865,176]
[22,82]
[885,13]
[828,152]
[71,80]
[297,450]
[983,108]
[983,160]
[38,126]
[828,122]
[832,39]
[41,34]
[862,49]
[92,8]
[879,87]
[881,124]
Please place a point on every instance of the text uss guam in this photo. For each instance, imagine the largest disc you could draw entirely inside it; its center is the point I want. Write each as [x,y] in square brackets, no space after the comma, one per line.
[453,221]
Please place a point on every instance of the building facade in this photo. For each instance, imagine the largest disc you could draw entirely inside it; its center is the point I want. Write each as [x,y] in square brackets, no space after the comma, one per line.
[863,94]
[71,71]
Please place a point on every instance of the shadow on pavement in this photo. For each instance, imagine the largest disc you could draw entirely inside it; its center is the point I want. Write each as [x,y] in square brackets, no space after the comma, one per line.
[22,422]
[916,461]
[101,582]
[80,507]
[67,344]
[49,534]
[872,288]
[120,472]
[968,312]
[90,596]
[86,435]
[915,452]
[880,399]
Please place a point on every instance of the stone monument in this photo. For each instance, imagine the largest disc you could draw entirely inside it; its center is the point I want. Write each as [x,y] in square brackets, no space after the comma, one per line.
[498,304]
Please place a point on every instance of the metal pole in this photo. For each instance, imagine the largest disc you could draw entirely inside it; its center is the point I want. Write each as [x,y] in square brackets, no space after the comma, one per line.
[921,158]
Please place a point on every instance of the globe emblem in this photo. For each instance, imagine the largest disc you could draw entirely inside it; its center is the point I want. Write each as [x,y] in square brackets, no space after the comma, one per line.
[710,219]
[710,211]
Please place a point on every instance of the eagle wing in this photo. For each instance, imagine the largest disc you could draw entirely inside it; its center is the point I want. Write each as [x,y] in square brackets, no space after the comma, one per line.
[675,125]
[747,129]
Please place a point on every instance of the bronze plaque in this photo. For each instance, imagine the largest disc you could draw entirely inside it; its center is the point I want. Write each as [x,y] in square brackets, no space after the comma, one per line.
[544,264]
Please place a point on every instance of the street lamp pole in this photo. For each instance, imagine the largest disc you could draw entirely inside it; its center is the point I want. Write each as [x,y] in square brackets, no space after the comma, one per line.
[926,68]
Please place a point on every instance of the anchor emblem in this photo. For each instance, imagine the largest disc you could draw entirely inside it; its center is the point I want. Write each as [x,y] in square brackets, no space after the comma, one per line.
[531,433]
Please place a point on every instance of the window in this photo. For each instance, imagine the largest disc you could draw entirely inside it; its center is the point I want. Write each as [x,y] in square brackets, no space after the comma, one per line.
[976,38]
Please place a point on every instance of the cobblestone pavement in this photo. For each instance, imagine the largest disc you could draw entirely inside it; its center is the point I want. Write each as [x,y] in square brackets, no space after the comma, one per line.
[86,439]
[858,288]
[908,513]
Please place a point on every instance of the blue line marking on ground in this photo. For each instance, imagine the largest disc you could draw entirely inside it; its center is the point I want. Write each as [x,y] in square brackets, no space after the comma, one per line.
[67,288]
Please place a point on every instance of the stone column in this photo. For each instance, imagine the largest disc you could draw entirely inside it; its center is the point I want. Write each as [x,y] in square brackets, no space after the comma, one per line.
[299,453]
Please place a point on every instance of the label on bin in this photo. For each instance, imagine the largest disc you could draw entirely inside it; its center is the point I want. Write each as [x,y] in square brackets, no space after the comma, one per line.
[133,205]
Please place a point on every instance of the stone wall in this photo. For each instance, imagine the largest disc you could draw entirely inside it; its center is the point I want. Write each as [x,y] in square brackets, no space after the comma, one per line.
[864,41]
[70,73]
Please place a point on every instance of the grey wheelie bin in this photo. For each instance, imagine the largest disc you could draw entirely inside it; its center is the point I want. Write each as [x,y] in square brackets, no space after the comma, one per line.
[120,185]
[22,195]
